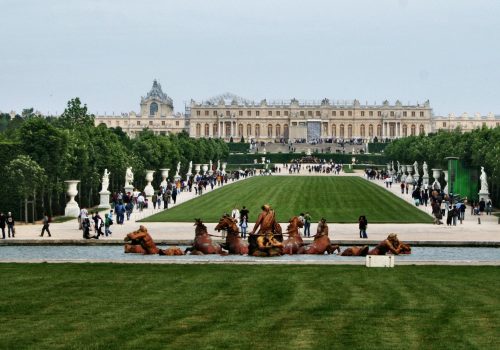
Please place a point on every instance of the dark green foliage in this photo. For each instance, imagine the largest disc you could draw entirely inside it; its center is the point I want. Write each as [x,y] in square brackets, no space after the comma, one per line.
[238,147]
[377,147]
[145,306]
[71,147]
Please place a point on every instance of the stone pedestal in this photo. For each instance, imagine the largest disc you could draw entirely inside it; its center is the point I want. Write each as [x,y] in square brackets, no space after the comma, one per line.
[149,190]
[104,201]
[485,196]
[128,188]
[72,209]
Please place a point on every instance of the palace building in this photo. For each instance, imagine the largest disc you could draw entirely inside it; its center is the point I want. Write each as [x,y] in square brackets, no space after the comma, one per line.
[157,114]
[229,117]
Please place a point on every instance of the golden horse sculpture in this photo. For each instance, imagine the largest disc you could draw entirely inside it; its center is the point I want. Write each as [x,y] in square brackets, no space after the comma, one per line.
[141,242]
[202,241]
[234,244]
[391,244]
[294,242]
[321,243]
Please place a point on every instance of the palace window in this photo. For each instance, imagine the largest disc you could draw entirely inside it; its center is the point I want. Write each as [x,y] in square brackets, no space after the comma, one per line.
[150,122]
[198,130]
[370,130]
[176,123]
[362,113]
[207,113]
[379,113]
[412,114]
[215,129]
[421,129]
[341,113]
[362,130]
[421,114]
[240,130]
[444,124]
[294,123]
[214,113]
[138,122]
[228,113]
[153,108]
[270,130]
[379,130]
[286,113]
[334,113]
[198,113]
[207,130]
[318,113]
[249,113]
[349,113]
[163,122]
[240,113]
[249,130]
[270,113]
[392,113]
[285,131]
[405,130]
[404,114]
[309,113]
[301,113]
[278,113]
[413,130]
[370,113]
[342,131]
[349,131]
[257,113]
[257,130]
[334,130]
[278,130]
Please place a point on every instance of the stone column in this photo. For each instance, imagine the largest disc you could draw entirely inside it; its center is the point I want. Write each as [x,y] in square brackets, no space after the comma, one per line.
[72,209]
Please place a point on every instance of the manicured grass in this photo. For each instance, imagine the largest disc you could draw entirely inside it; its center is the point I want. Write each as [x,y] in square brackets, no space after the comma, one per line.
[112,306]
[338,199]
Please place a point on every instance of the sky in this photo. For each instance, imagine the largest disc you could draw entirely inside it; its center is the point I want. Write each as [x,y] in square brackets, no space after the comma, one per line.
[107,52]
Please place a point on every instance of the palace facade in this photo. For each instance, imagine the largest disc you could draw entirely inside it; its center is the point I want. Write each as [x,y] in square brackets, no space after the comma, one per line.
[231,117]
[157,114]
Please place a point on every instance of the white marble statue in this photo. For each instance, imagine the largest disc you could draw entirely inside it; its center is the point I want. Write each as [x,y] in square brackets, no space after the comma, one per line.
[129,177]
[218,165]
[426,170]
[484,181]
[105,180]
[399,168]
[415,167]
[178,168]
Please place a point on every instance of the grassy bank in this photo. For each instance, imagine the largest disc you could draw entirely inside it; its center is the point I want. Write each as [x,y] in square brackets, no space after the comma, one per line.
[338,199]
[99,306]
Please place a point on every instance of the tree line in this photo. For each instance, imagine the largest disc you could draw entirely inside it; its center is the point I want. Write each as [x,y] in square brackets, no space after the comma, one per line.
[480,147]
[38,153]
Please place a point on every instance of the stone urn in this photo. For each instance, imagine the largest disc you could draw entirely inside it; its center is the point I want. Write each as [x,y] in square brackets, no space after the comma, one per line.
[149,190]
[197,168]
[436,174]
[263,160]
[409,178]
[224,164]
[164,176]
[204,168]
[72,209]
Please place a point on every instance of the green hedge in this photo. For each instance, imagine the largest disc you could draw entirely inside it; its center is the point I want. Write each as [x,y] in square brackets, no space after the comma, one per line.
[238,147]
[288,157]
[377,147]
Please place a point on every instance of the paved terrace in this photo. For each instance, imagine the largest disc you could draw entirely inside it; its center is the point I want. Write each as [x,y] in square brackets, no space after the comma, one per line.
[468,233]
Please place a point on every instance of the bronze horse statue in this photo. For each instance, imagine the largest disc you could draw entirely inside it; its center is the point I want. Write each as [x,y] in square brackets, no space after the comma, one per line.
[391,244]
[234,244]
[202,242]
[321,243]
[294,242]
[141,242]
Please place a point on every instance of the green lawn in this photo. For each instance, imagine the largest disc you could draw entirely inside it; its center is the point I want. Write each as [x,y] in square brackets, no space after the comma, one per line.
[113,306]
[338,199]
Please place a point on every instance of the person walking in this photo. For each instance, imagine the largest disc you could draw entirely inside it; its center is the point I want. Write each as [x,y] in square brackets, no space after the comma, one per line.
[3,221]
[244,225]
[363,224]
[174,195]
[107,223]
[10,225]
[244,212]
[307,225]
[45,225]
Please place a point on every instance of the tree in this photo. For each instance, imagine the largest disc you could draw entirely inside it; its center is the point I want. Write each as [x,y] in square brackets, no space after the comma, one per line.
[75,115]
[25,178]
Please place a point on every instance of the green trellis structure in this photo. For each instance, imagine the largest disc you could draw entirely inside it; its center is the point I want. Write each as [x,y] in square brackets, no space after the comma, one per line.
[462,180]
